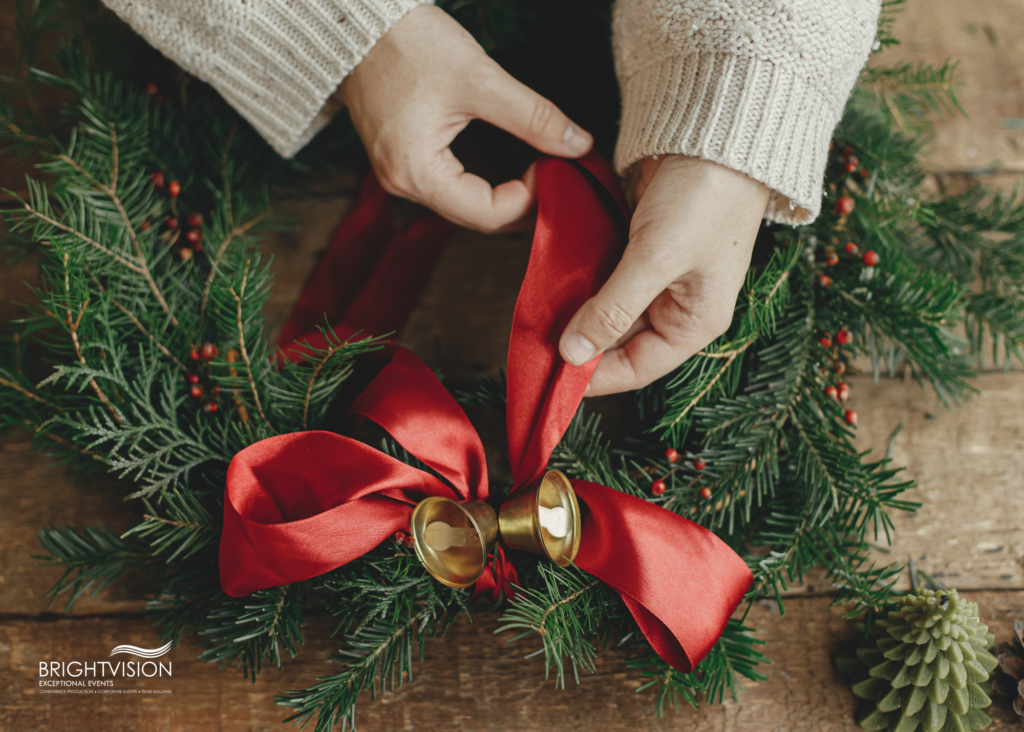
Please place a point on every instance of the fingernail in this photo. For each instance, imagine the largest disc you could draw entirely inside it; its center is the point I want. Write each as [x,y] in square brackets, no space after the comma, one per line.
[577,349]
[576,142]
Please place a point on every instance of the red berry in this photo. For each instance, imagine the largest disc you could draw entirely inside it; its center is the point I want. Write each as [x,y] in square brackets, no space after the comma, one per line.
[843,337]
[198,248]
[865,172]
[826,340]
[195,391]
[831,392]
[151,88]
[185,254]
[410,542]
[831,259]
[851,417]
[847,151]
[194,354]
[195,219]
[400,537]
[871,258]
[852,164]
[215,390]
[158,179]
[845,205]
[172,223]
[671,455]
[210,407]
[174,188]
[699,463]
[839,367]
[852,248]
[844,391]
[705,493]
[658,487]
[209,351]
[144,226]
[824,280]
[193,235]
[193,378]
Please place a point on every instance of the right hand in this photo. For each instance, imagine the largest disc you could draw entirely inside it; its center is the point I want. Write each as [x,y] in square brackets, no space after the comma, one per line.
[417,88]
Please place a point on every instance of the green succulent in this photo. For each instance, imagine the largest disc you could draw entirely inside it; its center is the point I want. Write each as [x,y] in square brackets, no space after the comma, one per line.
[923,666]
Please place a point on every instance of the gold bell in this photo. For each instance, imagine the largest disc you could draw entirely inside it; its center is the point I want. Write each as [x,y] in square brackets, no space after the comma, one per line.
[453,539]
[543,519]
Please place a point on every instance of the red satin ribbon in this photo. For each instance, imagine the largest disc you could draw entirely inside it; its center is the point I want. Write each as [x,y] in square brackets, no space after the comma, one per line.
[302,504]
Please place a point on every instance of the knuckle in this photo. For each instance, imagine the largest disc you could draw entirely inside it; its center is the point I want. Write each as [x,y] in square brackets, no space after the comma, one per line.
[611,319]
[483,78]
[541,118]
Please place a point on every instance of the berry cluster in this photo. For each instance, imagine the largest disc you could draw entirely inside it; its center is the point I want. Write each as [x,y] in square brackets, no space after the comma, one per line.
[832,258]
[658,487]
[839,391]
[402,539]
[846,203]
[201,357]
[187,241]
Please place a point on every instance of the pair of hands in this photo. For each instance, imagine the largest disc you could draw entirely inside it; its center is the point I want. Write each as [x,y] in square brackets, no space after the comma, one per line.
[690,237]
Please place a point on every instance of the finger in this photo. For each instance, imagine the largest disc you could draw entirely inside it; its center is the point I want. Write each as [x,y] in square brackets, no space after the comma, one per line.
[613,311]
[516,108]
[469,201]
[656,351]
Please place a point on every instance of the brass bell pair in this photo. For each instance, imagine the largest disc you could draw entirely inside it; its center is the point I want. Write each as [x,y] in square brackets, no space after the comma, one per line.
[453,539]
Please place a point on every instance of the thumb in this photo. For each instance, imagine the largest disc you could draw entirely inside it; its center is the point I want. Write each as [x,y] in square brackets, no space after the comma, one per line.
[516,108]
[612,312]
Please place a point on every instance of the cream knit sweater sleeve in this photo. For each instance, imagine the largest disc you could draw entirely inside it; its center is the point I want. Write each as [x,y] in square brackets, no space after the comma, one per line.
[276,61]
[756,85]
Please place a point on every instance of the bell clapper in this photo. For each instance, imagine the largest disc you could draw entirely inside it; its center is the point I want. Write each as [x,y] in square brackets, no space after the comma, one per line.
[555,520]
[441,537]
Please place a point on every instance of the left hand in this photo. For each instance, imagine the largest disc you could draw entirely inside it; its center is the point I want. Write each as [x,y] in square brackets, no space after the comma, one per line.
[675,288]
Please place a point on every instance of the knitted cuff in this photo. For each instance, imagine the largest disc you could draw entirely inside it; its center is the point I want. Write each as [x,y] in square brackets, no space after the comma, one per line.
[747,114]
[290,58]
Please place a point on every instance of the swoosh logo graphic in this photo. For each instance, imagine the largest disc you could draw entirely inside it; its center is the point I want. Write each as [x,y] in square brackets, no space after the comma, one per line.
[142,652]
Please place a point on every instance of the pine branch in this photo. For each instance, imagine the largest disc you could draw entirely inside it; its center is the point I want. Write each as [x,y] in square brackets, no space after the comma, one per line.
[246,630]
[731,657]
[94,559]
[567,611]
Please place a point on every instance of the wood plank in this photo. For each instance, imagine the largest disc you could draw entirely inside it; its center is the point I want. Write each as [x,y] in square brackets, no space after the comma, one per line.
[988,39]
[470,681]
[969,465]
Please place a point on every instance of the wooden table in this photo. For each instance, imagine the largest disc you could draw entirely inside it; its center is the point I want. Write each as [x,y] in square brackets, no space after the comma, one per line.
[969,532]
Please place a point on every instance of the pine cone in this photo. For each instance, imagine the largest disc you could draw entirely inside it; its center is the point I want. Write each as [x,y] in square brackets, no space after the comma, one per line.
[1008,681]
[923,666]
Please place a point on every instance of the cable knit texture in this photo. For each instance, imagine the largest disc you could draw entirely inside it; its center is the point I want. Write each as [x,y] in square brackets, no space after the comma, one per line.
[276,61]
[756,85]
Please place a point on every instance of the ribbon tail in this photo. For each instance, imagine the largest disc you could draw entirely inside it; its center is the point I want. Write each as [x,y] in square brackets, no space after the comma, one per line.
[680,582]
[354,251]
[370,278]
[575,248]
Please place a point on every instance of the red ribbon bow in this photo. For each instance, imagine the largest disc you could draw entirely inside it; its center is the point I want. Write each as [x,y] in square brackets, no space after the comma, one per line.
[299,505]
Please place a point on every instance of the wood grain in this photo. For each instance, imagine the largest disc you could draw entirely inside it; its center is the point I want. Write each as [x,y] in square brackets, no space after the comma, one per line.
[471,680]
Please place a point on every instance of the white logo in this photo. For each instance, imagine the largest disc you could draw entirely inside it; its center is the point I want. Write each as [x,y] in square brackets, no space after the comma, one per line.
[142,652]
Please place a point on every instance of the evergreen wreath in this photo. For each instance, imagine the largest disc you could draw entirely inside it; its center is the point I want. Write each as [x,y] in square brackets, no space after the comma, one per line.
[153,365]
